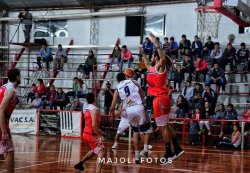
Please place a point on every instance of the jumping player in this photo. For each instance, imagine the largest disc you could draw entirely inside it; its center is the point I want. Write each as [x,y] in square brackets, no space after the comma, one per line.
[132,95]
[8,100]
[156,78]
[92,134]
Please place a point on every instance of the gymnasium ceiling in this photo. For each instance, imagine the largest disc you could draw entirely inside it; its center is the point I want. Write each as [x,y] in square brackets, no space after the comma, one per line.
[10,5]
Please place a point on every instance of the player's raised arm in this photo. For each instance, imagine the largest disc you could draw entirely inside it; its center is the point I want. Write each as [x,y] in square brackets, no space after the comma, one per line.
[145,59]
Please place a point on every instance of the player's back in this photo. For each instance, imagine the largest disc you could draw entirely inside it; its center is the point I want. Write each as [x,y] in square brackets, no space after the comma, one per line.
[88,118]
[129,93]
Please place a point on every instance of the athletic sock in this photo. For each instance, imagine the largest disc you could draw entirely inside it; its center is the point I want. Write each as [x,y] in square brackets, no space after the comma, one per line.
[145,148]
[176,145]
[137,153]
[168,150]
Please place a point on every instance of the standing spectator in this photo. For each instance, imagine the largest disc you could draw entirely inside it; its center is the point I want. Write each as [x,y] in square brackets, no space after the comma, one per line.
[166,46]
[197,47]
[60,99]
[229,55]
[197,100]
[75,86]
[89,64]
[188,67]
[217,76]
[37,102]
[184,47]
[115,57]
[178,77]
[182,107]
[209,96]
[60,58]
[31,94]
[187,92]
[233,142]
[208,47]
[44,55]
[50,98]
[173,49]
[200,68]
[148,47]
[207,114]
[41,87]
[27,24]
[108,97]
[243,56]
[216,55]
[126,56]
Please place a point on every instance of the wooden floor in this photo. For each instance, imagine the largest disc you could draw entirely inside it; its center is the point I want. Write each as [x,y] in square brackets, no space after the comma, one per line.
[58,155]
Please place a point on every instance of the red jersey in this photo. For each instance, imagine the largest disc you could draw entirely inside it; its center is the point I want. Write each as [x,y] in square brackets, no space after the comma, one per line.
[41,89]
[157,82]
[11,105]
[88,119]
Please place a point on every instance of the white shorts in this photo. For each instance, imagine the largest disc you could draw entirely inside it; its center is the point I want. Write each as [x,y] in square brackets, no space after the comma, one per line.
[136,115]
[123,125]
[162,120]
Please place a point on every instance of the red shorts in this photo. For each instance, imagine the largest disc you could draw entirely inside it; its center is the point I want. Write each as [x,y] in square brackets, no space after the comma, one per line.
[161,107]
[95,143]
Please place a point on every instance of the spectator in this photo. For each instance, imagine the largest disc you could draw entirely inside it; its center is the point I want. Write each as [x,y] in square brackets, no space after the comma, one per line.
[216,55]
[143,82]
[184,47]
[60,99]
[219,115]
[173,49]
[243,56]
[208,47]
[89,64]
[229,56]
[75,86]
[200,68]
[115,57]
[37,102]
[178,77]
[126,56]
[44,55]
[60,58]
[188,67]
[78,106]
[197,100]
[148,47]
[31,94]
[182,107]
[233,142]
[108,97]
[246,116]
[50,98]
[197,47]
[187,92]
[27,24]
[159,42]
[82,89]
[166,46]
[207,114]
[217,76]
[170,88]
[209,96]
[194,128]
[41,87]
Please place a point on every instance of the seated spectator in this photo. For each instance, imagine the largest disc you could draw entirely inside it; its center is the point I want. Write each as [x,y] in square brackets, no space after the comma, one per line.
[108,96]
[233,142]
[207,114]
[74,90]
[126,56]
[173,49]
[216,55]
[208,47]
[197,100]
[31,94]
[219,115]
[60,99]
[89,64]
[50,98]
[82,89]
[209,96]
[187,92]
[197,47]
[115,57]
[41,89]
[178,77]
[184,47]
[60,58]
[170,89]
[148,47]
[200,68]
[229,55]
[159,42]
[217,76]
[188,67]
[78,106]
[182,107]
[194,128]
[142,81]
[246,116]
[44,55]
[36,102]
[243,56]
[166,46]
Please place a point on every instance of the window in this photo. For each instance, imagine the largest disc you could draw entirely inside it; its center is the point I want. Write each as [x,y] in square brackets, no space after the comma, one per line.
[57,28]
[134,25]
[155,24]
[244,30]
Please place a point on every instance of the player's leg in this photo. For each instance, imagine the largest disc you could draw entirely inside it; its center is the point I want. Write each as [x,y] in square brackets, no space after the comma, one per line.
[10,162]
[136,146]
[178,151]
[99,163]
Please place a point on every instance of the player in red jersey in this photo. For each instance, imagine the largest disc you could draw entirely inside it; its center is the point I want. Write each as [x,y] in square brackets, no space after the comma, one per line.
[156,78]
[92,134]
[8,100]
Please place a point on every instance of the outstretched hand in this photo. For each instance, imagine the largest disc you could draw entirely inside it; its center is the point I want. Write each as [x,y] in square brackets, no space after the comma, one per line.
[153,39]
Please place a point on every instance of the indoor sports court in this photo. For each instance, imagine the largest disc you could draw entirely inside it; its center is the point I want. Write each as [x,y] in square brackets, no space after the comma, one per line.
[124,86]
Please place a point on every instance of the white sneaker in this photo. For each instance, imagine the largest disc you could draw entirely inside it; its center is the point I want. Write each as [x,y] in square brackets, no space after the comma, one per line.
[145,153]
[150,147]
[114,146]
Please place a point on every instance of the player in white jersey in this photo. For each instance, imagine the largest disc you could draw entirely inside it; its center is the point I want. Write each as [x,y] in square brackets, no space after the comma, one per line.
[132,95]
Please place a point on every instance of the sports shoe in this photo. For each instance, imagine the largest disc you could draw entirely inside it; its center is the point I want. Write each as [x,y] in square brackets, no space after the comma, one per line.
[114,146]
[179,153]
[138,159]
[79,166]
[167,159]
[145,153]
